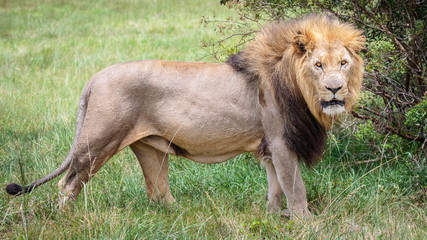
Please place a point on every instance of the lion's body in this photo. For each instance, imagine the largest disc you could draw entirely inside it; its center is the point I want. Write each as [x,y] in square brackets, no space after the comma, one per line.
[277,98]
[211,120]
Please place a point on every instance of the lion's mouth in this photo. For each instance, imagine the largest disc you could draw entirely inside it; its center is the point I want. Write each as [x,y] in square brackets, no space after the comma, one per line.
[332,102]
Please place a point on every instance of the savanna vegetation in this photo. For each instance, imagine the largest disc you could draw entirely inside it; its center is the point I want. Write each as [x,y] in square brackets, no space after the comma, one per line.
[371,183]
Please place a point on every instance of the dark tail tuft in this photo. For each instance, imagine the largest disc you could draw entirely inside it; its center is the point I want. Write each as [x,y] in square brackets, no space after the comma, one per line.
[14,189]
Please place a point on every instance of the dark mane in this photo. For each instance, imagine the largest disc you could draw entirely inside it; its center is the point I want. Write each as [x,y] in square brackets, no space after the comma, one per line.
[240,65]
[302,133]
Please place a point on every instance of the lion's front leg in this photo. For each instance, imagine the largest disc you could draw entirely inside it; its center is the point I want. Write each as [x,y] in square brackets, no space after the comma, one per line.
[288,174]
[275,191]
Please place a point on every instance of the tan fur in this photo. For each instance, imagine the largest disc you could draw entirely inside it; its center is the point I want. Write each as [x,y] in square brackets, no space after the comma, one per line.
[212,112]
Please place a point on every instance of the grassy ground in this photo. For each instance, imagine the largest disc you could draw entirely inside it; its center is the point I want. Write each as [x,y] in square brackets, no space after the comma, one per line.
[50,48]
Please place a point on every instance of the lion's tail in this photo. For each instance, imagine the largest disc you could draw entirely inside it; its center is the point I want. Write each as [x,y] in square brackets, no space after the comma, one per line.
[16,189]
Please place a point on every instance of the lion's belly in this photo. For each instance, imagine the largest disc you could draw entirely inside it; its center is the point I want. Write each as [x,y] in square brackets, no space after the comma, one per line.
[203,152]
[217,149]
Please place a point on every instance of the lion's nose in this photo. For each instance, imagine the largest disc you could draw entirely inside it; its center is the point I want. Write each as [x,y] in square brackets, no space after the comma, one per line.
[334,90]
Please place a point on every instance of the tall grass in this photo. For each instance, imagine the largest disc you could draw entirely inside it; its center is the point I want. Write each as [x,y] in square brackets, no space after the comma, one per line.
[49,49]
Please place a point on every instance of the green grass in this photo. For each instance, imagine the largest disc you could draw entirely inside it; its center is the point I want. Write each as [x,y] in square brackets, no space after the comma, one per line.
[49,50]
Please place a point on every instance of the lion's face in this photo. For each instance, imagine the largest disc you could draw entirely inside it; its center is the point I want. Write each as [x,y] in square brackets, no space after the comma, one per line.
[329,68]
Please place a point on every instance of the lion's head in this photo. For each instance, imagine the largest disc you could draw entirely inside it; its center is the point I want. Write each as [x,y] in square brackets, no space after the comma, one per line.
[315,56]
[309,63]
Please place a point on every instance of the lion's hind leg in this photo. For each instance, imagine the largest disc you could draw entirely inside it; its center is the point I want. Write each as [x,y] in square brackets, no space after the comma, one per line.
[86,162]
[154,164]
[100,139]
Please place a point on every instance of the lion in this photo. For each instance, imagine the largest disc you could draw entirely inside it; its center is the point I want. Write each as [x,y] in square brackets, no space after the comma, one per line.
[276,98]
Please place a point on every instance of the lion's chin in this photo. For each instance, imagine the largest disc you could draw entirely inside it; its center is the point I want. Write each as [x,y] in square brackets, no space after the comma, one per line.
[333,107]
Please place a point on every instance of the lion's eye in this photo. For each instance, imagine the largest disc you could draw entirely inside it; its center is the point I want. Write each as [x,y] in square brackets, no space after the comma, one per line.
[318,64]
[343,62]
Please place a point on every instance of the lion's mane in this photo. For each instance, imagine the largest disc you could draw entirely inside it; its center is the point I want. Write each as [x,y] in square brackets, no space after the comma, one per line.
[275,61]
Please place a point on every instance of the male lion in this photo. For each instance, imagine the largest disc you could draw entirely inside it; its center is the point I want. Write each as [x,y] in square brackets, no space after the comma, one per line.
[277,97]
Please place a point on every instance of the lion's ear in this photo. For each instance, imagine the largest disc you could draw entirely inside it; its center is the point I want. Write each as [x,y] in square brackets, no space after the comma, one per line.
[302,43]
[356,43]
